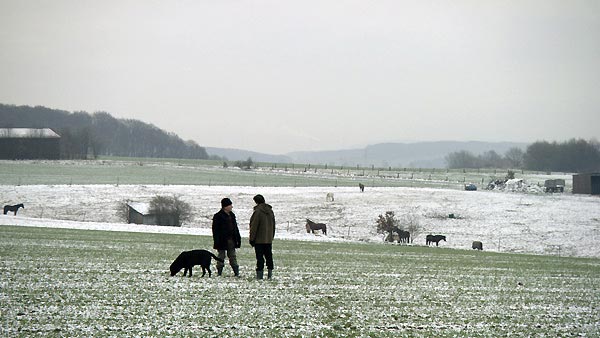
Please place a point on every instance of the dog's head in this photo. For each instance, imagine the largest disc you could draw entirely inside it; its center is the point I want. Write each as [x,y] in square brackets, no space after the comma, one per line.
[175,268]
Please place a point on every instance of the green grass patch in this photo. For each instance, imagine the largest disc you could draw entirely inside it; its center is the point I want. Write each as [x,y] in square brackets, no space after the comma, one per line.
[82,283]
[204,172]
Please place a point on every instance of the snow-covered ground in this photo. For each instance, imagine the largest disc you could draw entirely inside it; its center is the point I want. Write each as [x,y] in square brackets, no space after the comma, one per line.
[556,224]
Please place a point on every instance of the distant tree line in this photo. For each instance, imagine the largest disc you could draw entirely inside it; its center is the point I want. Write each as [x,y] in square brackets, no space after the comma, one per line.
[575,155]
[83,134]
[570,156]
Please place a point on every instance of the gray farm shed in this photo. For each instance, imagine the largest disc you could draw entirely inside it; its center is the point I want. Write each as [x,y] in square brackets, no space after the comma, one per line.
[139,213]
[588,183]
[29,144]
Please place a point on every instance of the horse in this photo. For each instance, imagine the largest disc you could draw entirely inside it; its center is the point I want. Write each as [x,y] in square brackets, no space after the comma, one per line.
[403,236]
[312,226]
[361,187]
[13,208]
[434,239]
[329,197]
[477,245]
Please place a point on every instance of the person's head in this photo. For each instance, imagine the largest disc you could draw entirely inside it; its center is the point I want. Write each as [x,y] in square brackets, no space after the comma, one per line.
[258,199]
[226,204]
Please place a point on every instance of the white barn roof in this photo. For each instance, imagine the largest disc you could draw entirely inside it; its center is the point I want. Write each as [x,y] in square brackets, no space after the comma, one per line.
[141,207]
[27,133]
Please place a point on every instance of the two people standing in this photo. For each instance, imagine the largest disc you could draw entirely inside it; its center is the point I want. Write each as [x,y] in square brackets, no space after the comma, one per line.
[226,236]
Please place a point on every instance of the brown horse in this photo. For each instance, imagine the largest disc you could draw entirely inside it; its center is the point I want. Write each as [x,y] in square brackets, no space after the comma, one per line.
[312,226]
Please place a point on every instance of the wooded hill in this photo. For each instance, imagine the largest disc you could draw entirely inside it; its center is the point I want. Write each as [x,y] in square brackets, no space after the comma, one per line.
[83,134]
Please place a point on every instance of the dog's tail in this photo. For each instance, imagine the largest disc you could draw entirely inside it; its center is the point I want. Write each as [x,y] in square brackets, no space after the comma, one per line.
[217,258]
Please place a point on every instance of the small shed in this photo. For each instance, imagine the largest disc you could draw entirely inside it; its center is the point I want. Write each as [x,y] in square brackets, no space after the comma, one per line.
[139,213]
[29,143]
[587,183]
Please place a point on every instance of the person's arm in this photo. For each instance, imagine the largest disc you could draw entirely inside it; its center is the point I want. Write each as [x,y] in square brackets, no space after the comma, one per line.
[253,228]
[215,230]
[273,225]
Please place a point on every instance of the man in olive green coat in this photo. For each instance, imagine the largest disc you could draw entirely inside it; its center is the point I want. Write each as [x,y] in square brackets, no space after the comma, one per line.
[262,232]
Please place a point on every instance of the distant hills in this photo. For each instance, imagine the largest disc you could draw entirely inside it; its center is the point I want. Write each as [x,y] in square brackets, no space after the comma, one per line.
[102,134]
[240,155]
[83,134]
[418,154]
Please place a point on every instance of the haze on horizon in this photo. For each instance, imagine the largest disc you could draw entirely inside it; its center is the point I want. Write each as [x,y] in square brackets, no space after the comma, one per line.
[282,76]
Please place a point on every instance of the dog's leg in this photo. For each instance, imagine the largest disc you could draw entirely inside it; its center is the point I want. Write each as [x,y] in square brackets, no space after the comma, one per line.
[209,272]
[190,272]
[185,272]
[203,272]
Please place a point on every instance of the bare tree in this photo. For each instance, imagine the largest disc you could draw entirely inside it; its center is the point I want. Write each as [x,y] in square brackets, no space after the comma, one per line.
[411,221]
[514,157]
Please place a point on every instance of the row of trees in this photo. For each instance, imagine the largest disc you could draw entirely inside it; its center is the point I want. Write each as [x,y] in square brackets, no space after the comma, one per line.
[83,134]
[575,155]
[513,158]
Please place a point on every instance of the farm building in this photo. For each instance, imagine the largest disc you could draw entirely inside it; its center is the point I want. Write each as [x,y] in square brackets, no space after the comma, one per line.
[586,183]
[139,213]
[27,143]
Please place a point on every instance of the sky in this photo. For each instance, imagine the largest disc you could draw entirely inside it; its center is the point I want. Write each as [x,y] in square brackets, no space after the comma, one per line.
[283,76]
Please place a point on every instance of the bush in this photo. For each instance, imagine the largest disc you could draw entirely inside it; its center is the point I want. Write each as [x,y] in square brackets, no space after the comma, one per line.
[247,164]
[170,210]
[387,224]
[123,211]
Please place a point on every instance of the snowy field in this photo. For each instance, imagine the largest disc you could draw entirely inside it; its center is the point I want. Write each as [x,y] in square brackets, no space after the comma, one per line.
[58,278]
[81,283]
[559,224]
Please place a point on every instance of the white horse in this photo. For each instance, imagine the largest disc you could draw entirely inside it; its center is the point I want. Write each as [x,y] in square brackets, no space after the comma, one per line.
[329,197]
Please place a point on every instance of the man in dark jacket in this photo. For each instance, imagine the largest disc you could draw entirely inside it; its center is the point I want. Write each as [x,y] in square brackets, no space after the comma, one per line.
[226,236]
[262,232]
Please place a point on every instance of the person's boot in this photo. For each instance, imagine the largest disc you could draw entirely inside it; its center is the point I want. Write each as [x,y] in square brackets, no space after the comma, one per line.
[269,273]
[259,274]
[219,270]
[236,270]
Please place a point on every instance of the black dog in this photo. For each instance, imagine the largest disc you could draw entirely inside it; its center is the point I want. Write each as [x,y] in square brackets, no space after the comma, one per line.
[187,259]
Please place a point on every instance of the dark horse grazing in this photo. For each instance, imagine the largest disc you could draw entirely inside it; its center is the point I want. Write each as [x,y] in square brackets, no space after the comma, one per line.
[13,208]
[361,187]
[477,245]
[434,239]
[403,236]
[312,226]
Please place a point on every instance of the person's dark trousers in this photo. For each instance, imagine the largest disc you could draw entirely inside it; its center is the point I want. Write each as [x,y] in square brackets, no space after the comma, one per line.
[263,253]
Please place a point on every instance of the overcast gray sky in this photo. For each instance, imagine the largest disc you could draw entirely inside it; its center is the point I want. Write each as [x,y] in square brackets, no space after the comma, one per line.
[280,76]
